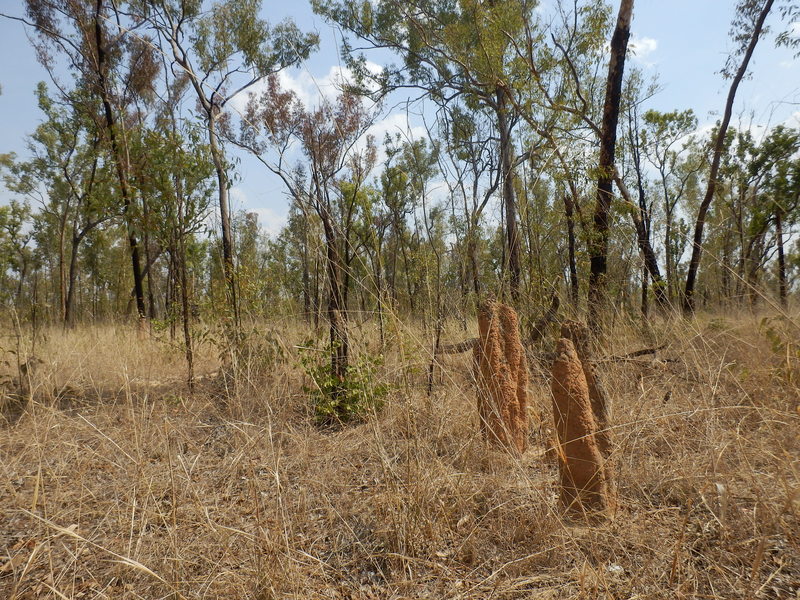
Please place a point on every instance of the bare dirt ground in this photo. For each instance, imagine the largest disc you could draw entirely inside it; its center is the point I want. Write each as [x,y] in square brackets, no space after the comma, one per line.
[118,483]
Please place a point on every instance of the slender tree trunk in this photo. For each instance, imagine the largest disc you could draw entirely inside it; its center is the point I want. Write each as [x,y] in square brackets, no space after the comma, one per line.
[409,286]
[173,282]
[228,270]
[472,250]
[740,263]
[645,292]
[317,293]
[69,316]
[509,195]
[781,257]
[62,271]
[119,163]
[598,247]
[391,276]
[35,304]
[727,267]
[306,275]
[377,269]
[574,291]
[719,142]
[23,272]
[669,258]
[184,289]
[337,315]
[151,302]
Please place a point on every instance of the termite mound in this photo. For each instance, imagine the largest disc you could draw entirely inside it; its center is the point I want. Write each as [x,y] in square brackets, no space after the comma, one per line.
[579,335]
[501,372]
[585,484]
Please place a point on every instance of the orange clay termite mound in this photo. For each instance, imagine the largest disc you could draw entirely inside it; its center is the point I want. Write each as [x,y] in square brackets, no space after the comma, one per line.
[585,487]
[502,375]
[579,335]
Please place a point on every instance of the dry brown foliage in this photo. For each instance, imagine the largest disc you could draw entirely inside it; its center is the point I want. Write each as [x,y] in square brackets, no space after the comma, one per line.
[502,377]
[116,483]
[585,486]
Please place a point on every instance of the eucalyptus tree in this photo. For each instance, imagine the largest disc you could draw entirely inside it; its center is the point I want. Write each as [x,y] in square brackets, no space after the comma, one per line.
[174,171]
[68,175]
[562,106]
[411,167]
[665,139]
[223,49]
[783,185]
[764,189]
[746,30]
[598,246]
[468,159]
[339,155]
[112,65]
[452,50]
[16,235]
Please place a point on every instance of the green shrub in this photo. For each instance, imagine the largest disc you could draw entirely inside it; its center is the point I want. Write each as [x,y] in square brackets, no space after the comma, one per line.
[336,401]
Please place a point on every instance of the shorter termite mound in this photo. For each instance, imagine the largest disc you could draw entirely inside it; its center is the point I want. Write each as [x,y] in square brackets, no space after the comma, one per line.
[585,484]
[501,372]
[579,335]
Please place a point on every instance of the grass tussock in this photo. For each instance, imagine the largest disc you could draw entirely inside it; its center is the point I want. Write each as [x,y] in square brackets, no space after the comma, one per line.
[119,483]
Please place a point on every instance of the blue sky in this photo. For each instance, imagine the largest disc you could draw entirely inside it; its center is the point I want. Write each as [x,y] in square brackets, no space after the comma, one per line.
[684,42]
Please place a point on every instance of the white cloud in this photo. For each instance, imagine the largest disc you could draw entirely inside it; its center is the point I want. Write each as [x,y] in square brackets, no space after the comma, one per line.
[271,221]
[641,48]
[397,123]
[310,89]
[793,120]
[759,131]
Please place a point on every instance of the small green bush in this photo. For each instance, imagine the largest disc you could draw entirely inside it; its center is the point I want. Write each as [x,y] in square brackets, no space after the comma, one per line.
[336,401]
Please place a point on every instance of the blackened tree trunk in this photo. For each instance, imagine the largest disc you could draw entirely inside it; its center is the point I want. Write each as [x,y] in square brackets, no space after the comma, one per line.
[645,292]
[641,224]
[781,257]
[573,266]
[151,300]
[719,142]
[116,153]
[69,313]
[77,239]
[598,246]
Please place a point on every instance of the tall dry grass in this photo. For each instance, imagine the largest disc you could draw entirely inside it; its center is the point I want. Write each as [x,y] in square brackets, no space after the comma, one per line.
[119,483]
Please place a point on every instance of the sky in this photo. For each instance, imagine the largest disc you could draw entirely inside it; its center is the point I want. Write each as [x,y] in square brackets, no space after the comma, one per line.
[684,43]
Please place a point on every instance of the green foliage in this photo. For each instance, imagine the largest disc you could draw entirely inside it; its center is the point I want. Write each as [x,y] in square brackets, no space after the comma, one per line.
[233,27]
[338,401]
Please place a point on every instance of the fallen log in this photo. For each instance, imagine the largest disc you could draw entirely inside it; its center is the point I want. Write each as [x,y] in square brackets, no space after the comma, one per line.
[458,348]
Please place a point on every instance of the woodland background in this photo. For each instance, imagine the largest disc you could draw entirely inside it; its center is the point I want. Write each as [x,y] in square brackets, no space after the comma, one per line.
[194,408]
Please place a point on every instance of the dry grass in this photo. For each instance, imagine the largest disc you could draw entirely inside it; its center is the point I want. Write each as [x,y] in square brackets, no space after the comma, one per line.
[116,483]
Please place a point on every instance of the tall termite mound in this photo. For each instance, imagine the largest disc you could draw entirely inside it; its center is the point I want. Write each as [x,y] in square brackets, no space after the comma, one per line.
[585,485]
[502,376]
[579,335]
